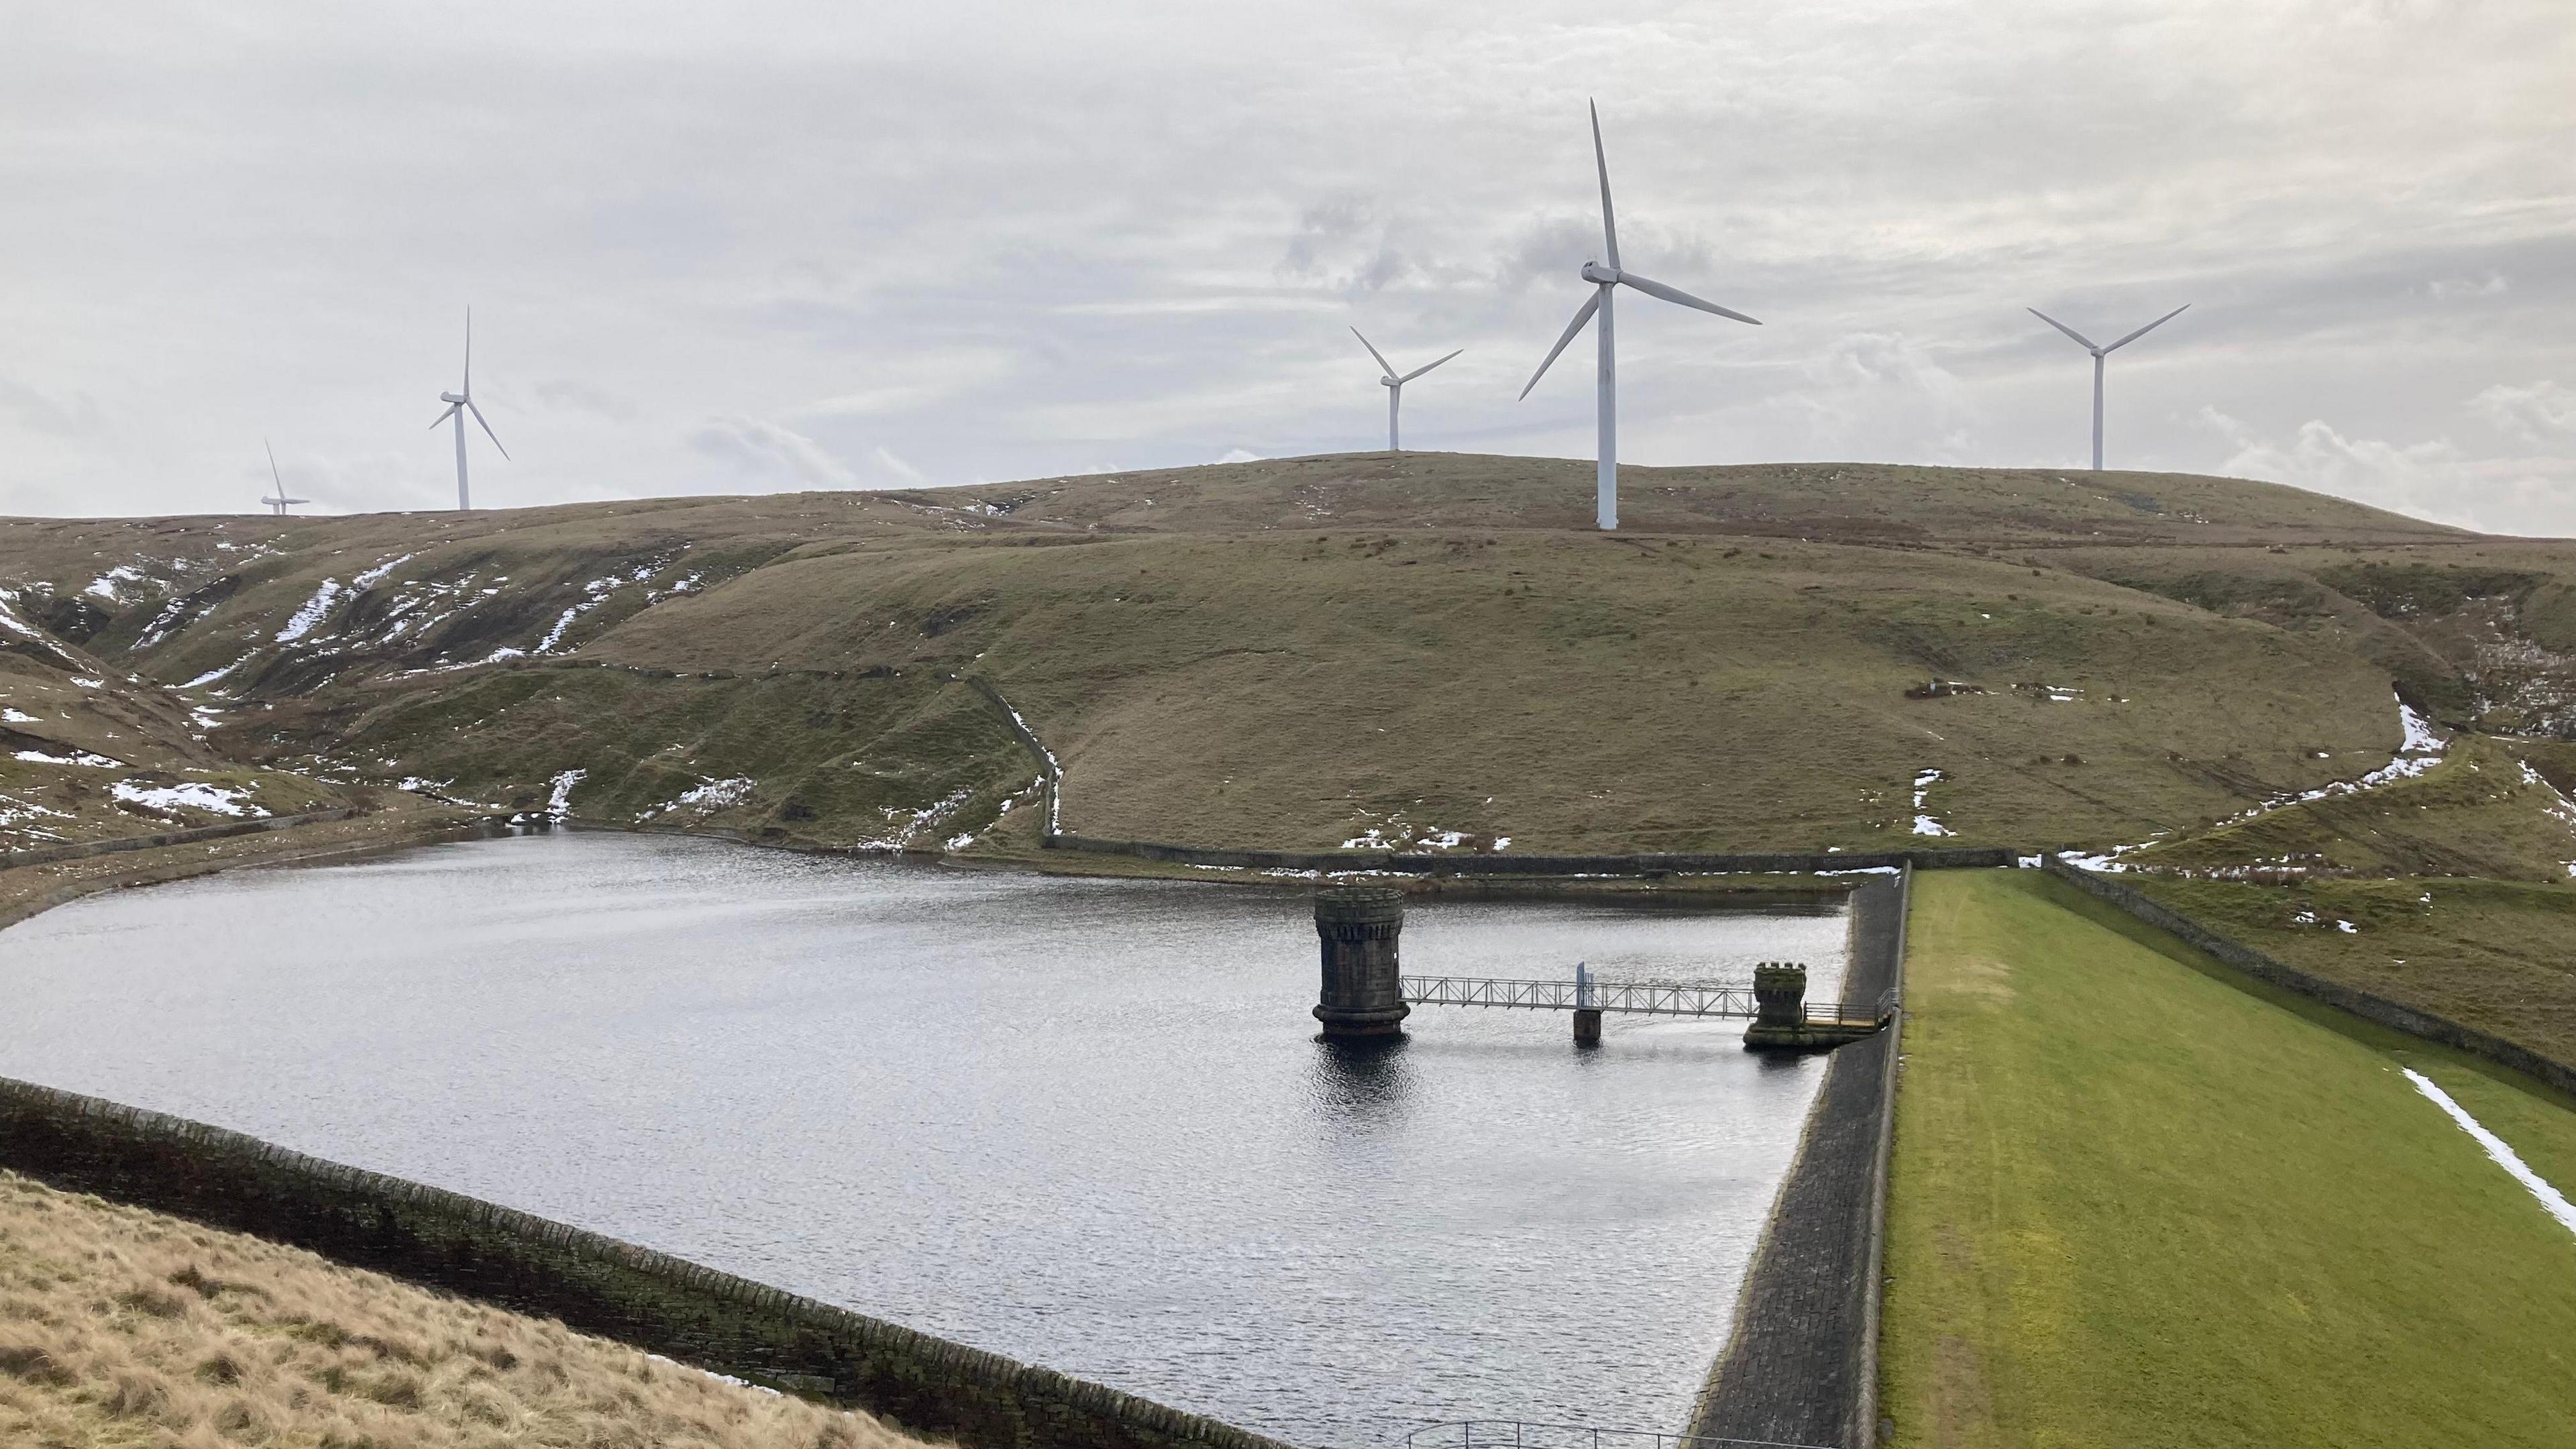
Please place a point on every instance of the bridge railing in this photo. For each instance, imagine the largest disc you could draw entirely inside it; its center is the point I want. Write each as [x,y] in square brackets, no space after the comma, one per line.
[1527,1434]
[1648,998]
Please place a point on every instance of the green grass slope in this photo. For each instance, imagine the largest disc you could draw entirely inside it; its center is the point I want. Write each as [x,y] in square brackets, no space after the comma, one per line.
[2135,1204]
[1294,652]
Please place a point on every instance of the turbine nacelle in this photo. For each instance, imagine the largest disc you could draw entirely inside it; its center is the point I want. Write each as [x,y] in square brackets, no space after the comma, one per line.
[451,397]
[1595,272]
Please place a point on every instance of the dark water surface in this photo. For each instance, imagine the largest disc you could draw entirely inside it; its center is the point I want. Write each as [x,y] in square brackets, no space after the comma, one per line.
[1084,1123]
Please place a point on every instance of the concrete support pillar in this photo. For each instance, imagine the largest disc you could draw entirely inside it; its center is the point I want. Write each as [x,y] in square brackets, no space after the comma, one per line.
[1362,995]
[1587,1027]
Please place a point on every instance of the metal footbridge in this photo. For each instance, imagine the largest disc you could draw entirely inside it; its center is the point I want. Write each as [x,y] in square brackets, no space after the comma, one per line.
[1587,992]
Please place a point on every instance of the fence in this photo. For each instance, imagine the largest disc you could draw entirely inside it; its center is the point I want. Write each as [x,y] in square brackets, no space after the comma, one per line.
[1527,1434]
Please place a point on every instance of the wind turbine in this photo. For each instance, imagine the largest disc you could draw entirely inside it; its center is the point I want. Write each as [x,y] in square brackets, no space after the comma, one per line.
[1394,386]
[458,405]
[1604,280]
[277,505]
[2098,354]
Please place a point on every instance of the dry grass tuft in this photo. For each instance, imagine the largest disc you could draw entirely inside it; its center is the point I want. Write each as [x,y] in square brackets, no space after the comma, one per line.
[125,1327]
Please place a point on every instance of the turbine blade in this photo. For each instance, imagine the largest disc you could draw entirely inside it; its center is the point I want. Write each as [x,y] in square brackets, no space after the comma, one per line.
[1582,315]
[469,406]
[2150,327]
[272,464]
[1383,364]
[1601,160]
[443,417]
[2081,340]
[1426,367]
[1653,288]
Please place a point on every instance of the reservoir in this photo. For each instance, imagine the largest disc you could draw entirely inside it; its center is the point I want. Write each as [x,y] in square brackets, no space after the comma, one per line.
[1084,1123]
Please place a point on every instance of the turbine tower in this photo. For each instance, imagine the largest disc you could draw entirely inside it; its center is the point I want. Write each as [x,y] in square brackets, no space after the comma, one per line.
[1394,386]
[277,505]
[1606,279]
[458,405]
[2098,354]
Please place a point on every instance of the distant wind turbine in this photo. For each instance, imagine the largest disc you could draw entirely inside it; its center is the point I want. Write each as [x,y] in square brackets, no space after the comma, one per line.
[458,405]
[277,505]
[2098,354]
[1394,386]
[1604,279]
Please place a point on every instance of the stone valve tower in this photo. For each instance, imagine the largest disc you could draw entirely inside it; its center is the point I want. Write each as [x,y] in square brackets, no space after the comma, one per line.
[1362,994]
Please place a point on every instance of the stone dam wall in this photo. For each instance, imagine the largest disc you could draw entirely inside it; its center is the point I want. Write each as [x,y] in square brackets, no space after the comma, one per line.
[83,849]
[1801,1366]
[1433,863]
[2395,1015]
[445,1240]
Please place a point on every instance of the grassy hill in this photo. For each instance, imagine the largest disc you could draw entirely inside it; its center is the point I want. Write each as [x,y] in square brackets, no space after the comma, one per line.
[1304,652]
[128,1327]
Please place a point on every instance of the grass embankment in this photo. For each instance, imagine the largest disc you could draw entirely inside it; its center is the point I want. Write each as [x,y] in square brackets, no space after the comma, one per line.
[2138,1201]
[2496,955]
[119,1326]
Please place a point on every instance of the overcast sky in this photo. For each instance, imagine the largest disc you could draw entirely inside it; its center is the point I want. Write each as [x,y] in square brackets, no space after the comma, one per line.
[772,246]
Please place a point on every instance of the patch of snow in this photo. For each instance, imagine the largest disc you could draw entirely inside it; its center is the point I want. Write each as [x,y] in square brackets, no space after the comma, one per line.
[1924,823]
[80,683]
[15,715]
[1502,842]
[71,757]
[211,675]
[2421,737]
[104,586]
[2348,928]
[311,614]
[187,795]
[13,810]
[380,572]
[706,799]
[504,652]
[422,784]
[2552,1201]
[559,804]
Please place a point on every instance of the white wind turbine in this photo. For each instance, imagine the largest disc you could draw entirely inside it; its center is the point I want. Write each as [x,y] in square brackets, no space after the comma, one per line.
[458,405]
[1604,279]
[2098,354]
[1394,386]
[277,505]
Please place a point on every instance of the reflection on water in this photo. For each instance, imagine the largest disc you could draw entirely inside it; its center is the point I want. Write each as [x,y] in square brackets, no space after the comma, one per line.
[1086,1123]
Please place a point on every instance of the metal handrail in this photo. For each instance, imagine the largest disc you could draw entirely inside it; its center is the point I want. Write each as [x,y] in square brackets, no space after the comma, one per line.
[1530,1434]
[1648,998]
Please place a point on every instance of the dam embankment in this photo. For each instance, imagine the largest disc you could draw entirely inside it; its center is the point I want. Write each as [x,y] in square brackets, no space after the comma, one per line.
[650,1300]
[1801,1365]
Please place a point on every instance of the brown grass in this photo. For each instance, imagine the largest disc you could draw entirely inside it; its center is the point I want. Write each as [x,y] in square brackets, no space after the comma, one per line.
[125,1327]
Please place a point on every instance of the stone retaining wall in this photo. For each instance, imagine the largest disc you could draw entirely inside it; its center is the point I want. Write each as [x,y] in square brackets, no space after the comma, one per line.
[1426,863]
[83,849]
[2395,1015]
[1801,1366]
[653,1301]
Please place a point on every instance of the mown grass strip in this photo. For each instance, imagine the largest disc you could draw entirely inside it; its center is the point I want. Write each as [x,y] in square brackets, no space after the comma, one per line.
[2135,1203]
